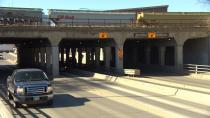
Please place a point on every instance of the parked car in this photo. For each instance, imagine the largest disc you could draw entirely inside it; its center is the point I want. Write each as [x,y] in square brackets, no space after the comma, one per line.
[29,86]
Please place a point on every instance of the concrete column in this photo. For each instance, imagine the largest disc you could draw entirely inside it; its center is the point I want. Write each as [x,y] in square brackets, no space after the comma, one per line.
[67,56]
[80,56]
[42,50]
[119,59]
[87,56]
[73,52]
[162,55]
[53,54]
[49,60]
[92,53]
[107,56]
[179,58]
[55,60]
[37,56]
[209,50]
[148,56]
[97,56]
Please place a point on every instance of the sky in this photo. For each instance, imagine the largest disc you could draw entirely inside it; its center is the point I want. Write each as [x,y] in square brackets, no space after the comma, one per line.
[174,5]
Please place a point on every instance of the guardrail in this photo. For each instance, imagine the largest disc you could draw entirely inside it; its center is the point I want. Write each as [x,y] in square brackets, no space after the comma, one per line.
[197,69]
[120,23]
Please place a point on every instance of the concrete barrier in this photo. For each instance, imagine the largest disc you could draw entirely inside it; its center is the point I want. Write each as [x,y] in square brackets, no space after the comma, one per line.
[164,90]
[132,72]
[158,86]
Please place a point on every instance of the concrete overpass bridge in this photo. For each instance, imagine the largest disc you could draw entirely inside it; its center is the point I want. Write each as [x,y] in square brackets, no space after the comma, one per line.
[53,48]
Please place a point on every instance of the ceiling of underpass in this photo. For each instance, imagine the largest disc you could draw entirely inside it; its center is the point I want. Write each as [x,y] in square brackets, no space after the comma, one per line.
[25,42]
[86,43]
[144,42]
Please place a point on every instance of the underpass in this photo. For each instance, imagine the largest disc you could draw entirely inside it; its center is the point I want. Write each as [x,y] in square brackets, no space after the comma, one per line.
[61,50]
[151,96]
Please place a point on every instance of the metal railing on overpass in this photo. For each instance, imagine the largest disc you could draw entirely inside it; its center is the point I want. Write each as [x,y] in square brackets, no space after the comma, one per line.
[121,23]
[197,69]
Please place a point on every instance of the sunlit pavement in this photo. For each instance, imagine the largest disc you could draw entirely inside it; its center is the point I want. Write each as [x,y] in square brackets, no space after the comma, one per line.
[79,97]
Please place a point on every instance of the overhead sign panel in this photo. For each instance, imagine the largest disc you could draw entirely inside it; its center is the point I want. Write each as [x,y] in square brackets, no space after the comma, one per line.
[103,35]
[151,35]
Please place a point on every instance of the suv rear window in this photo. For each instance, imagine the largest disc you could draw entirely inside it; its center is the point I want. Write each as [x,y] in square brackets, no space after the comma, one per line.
[30,76]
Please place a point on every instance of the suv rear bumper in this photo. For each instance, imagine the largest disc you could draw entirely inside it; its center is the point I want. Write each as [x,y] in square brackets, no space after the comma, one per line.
[34,99]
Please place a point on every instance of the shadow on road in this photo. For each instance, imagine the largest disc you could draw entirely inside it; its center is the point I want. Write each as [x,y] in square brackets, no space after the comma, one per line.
[64,100]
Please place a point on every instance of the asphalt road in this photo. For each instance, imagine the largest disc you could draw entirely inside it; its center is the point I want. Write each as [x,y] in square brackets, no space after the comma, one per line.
[78,97]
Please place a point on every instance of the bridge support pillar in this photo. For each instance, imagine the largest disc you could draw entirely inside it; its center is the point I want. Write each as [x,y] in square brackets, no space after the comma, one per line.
[92,53]
[49,60]
[209,50]
[80,56]
[73,53]
[97,57]
[67,57]
[162,55]
[87,56]
[119,59]
[107,56]
[179,58]
[37,56]
[55,60]
[43,50]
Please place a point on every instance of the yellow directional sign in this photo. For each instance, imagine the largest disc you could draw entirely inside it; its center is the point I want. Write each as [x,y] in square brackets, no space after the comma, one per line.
[151,35]
[103,35]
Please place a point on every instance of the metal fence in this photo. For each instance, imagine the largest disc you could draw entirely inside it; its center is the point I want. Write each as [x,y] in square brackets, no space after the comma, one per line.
[118,23]
[197,69]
